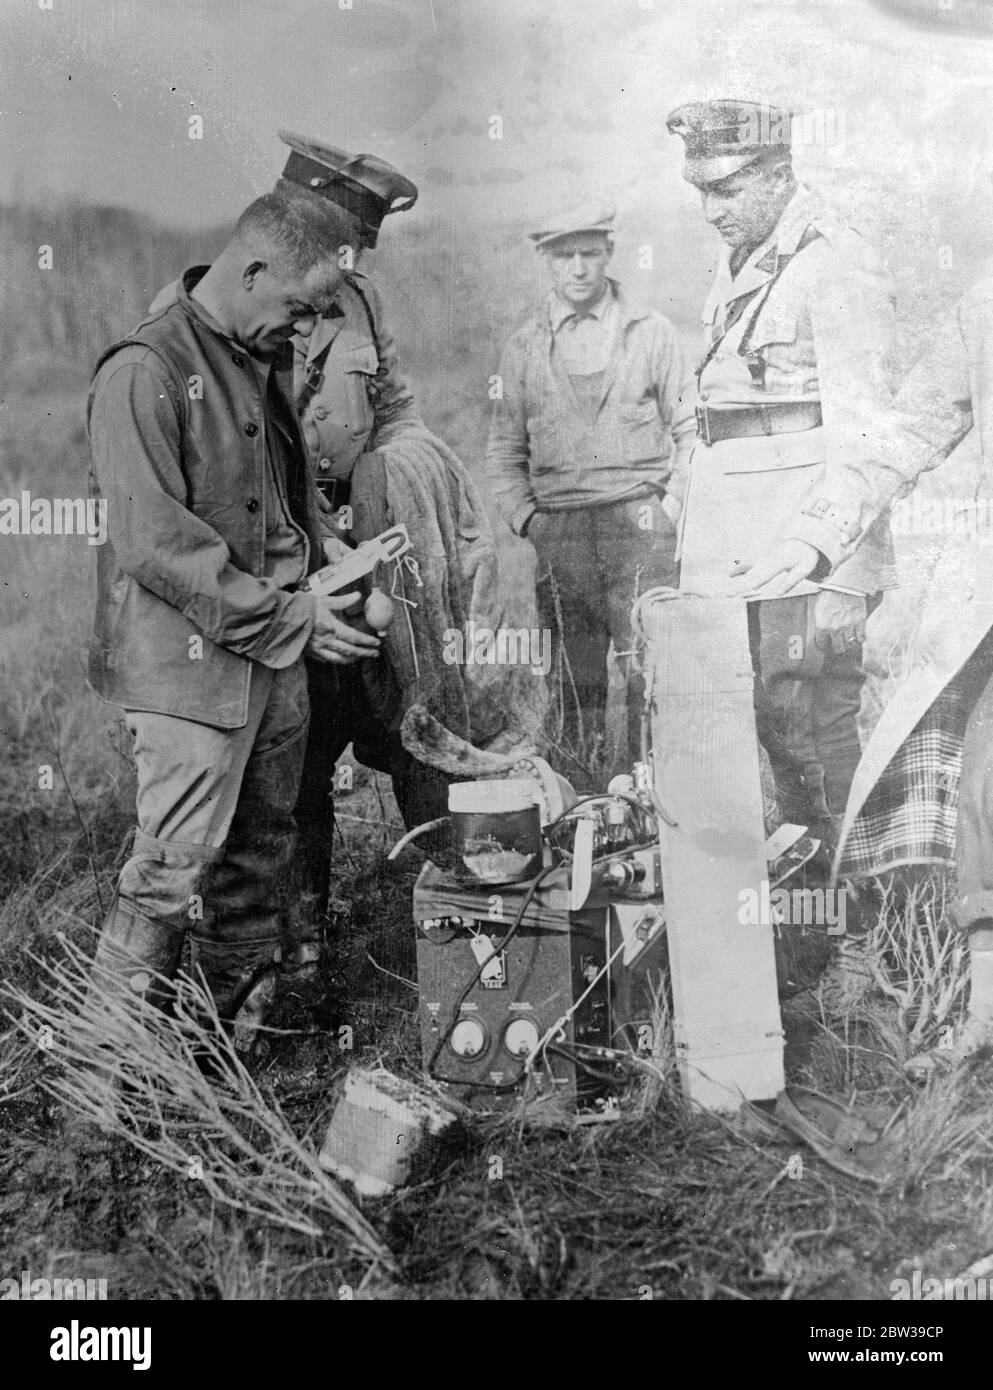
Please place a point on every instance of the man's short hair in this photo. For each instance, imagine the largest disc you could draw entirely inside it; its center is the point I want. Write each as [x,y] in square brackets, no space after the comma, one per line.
[305,229]
[772,157]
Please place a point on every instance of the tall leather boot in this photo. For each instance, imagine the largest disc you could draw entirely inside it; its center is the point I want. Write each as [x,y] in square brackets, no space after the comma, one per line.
[634,699]
[849,977]
[135,955]
[242,983]
[133,951]
[306,917]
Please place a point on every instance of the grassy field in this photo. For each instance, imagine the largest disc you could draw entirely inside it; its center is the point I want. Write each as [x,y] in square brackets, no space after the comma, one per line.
[686,1206]
[661,1203]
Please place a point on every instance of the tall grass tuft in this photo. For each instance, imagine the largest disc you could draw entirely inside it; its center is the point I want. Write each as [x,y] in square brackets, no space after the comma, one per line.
[171,1085]
[919,959]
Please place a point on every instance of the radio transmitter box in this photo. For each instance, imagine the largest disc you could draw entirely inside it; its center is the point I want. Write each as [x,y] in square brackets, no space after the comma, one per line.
[478,1026]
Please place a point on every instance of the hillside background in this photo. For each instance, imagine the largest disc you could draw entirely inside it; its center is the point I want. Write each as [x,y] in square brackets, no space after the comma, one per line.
[95,162]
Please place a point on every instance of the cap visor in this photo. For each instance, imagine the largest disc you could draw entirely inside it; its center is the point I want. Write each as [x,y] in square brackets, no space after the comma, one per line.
[699,170]
[543,239]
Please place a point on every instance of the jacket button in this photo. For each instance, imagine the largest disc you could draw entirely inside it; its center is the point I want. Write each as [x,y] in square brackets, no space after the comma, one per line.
[251,429]
[324,465]
[705,395]
[321,413]
[252,504]
[237,359]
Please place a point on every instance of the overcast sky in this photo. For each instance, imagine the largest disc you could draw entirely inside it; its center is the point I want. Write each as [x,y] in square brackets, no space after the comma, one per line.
[98,95]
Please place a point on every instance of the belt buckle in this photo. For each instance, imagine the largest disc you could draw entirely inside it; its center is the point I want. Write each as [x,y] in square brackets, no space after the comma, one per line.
[703,424]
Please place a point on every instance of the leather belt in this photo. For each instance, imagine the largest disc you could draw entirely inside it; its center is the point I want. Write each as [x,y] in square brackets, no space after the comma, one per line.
[717,423]
[609,500]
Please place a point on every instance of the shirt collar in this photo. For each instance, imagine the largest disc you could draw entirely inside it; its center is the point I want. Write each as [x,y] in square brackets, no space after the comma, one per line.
[187,282]
[560,310]
[785,236]
[796,217]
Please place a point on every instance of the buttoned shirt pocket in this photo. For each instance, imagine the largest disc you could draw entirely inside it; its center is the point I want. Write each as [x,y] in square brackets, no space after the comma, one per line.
[359,366]
[780,353]
[775,324]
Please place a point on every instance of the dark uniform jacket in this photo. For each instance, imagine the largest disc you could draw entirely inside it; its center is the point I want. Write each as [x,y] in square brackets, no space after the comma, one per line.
[178,429]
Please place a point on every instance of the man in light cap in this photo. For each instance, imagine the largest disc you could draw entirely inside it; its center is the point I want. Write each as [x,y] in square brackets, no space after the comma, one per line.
[586,458]
[792,387]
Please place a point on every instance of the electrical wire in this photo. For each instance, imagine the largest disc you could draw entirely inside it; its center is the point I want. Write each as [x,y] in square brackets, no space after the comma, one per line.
[596,796]
[558,1026]
[647,834]
[602,1076]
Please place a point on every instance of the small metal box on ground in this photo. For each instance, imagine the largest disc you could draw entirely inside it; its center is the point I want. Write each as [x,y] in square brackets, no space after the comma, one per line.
[379,1126]
[728,1031]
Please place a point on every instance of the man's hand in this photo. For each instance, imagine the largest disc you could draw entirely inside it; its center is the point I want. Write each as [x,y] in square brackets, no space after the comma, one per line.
[335,549]
[839,621]
[332,526]
[785,566]
[534,524]
[671,509]
[334,641]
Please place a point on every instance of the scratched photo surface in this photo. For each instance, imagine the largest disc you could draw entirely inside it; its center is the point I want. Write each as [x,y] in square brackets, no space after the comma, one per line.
[133,134]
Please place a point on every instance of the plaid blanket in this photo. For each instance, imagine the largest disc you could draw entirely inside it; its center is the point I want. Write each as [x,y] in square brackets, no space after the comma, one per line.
[909,816]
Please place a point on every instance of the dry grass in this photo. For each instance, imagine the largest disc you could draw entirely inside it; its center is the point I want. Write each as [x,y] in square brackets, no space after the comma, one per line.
[658,1199]
[180,1094]
[920,960]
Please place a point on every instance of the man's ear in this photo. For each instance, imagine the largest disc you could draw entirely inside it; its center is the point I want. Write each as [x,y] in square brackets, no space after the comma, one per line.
[609,249]
[783,174]
[251,271]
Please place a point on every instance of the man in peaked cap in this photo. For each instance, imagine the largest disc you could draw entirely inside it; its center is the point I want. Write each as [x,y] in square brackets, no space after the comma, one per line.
[587,451]
[357,413]
[792,388]
[363,185]
[351,399]
[368,442]
[722,137]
